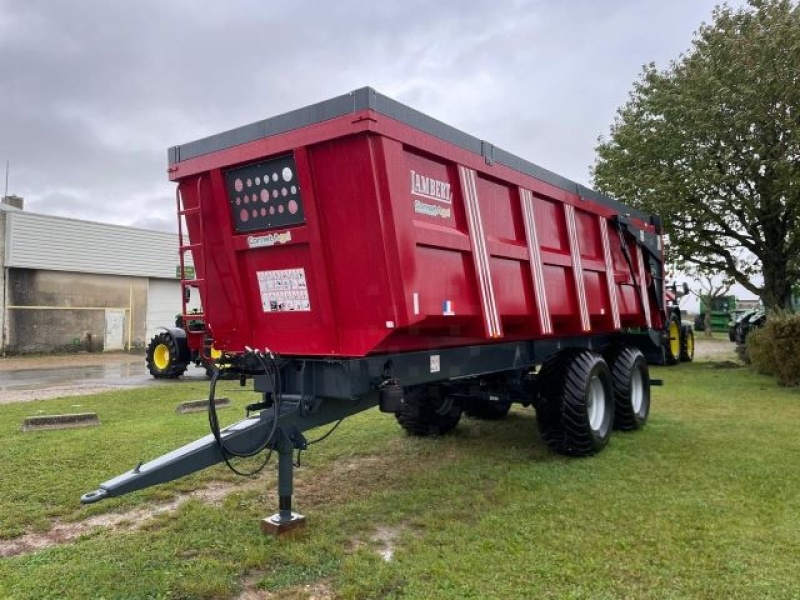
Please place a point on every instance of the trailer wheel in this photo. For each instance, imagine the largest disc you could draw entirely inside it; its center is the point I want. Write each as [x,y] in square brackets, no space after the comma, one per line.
[687,344]
[673,345]
[163,357]
[631,382]
[575,408]
[487,409]
[425,410]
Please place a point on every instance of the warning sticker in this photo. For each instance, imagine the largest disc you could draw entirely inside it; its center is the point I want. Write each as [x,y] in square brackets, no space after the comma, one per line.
[284,290]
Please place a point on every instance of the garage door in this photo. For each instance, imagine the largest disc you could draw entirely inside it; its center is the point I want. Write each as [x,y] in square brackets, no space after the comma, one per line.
[163,303]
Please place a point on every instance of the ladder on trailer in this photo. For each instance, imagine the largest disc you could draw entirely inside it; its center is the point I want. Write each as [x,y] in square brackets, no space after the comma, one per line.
[194,322]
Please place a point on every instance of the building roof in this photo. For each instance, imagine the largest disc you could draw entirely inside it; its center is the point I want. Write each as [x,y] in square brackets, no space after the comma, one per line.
[38,241]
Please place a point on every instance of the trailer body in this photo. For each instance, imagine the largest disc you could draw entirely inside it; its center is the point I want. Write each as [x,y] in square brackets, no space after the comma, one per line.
[357,252]
[359,226]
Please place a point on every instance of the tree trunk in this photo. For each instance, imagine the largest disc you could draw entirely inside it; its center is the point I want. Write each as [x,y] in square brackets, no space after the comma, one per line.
[775,260]
[777,293]
[707,321]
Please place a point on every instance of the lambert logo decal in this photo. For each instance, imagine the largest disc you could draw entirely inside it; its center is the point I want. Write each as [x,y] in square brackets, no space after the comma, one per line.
[430,188]
[263,241]
[431,210]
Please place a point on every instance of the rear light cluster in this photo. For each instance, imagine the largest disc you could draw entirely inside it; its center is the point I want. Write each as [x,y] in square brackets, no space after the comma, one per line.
[265,195]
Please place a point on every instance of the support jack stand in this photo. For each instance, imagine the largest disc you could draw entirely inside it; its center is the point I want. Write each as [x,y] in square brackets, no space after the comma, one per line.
[285,521]
[277,526]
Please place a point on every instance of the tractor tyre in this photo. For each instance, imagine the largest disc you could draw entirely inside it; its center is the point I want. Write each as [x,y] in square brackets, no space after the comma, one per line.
[163,357]
[575,404]
[630,378]
[425,410]
[487,410]
[672,349]
[687,344]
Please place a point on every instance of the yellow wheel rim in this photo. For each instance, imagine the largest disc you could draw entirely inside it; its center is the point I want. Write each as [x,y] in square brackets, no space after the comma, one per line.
[674,339]
[215,354]
[161,357]
[690,344]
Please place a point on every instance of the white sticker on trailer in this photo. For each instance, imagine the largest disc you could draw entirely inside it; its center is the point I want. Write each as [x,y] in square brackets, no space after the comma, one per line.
[436,363]
[284,290]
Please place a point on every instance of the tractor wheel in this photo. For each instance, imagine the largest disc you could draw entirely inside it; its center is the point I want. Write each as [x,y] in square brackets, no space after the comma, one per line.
[163,357]
[673,345]
[487,409]
[425,411]
[575,407]
[630,378]
[687,344]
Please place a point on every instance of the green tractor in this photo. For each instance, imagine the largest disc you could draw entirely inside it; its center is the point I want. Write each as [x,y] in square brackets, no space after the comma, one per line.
[722,309]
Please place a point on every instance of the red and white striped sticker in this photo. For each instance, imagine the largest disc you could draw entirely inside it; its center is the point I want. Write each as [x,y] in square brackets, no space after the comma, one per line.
[577,266]
[535,261]
[643,285]
[480,252]
[612,284]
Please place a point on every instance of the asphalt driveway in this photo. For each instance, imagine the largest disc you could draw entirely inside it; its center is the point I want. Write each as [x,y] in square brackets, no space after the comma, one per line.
[40,377]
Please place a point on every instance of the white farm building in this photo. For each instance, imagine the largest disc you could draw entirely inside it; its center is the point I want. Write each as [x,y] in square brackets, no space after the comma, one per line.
[72,285]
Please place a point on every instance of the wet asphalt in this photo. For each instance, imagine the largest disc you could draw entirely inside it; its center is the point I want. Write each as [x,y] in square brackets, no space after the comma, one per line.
[122,373]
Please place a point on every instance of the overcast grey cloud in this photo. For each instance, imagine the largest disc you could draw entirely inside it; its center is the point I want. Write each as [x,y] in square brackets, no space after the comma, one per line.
[92,93]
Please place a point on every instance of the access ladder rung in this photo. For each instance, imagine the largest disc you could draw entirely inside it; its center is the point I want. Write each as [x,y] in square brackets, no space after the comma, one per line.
[192,282]
[186,247]
[193,316]
[189,211]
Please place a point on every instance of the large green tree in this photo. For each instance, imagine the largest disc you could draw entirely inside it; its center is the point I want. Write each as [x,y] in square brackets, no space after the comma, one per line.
[712,144]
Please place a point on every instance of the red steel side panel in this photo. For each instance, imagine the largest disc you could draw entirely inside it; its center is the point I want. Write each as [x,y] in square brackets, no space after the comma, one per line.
[407,242]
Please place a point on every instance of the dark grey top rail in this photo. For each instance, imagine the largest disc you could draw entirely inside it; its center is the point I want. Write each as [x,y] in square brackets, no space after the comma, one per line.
[367,98]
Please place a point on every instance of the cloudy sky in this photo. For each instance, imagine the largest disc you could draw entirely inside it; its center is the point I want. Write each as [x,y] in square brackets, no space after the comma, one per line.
[92,93]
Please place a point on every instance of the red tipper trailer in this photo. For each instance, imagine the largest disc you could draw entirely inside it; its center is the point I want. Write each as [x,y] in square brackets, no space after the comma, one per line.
[357,252]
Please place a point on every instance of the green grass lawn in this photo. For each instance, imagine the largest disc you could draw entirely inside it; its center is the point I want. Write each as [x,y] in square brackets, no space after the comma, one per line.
[702,503]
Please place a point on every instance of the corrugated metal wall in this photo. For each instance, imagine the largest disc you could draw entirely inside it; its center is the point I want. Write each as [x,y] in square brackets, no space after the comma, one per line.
[36,241]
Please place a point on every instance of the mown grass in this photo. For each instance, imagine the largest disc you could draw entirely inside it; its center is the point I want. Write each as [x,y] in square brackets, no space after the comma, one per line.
[702,503]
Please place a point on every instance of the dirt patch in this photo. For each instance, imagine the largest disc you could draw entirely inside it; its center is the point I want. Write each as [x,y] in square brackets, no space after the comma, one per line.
[382,541]
[384,537]
[716,349]
[315,489]
[131,520]
[725,364]
[336,484]
[320,590]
